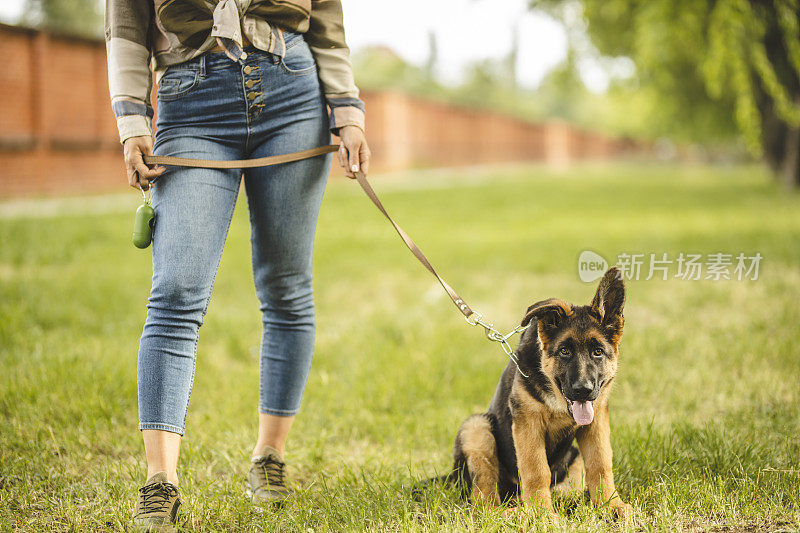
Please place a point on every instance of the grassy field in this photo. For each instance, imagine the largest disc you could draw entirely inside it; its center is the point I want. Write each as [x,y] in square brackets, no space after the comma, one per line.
[705,413]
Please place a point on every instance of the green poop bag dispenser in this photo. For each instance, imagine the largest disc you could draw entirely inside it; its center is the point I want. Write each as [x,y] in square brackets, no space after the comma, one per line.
[143,222]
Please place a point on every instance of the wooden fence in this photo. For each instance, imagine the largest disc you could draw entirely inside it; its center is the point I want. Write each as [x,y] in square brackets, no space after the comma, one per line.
[57,132]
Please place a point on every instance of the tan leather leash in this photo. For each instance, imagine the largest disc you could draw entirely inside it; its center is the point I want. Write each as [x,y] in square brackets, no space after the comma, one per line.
[472,317]
[240,163]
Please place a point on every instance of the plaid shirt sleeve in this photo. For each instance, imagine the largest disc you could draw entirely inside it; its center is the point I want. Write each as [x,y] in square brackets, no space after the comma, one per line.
[325,37]
[127,26]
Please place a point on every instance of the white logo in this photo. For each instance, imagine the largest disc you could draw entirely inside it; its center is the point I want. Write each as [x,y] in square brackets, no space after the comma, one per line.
[591,266]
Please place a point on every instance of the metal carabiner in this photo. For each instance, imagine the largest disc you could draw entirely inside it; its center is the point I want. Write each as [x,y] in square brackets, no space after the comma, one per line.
[493,335]
[477,320]
[146,197]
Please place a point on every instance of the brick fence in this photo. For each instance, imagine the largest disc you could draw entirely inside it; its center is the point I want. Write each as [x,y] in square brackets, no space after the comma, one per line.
[57,132]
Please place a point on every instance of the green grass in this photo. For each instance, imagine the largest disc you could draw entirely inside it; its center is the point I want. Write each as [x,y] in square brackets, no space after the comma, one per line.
[705,413]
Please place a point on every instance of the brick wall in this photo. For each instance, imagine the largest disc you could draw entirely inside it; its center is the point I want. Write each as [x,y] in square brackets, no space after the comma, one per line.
[57,132]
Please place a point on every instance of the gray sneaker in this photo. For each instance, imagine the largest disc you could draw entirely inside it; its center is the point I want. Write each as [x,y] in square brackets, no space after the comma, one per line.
[157,506]
[266,480]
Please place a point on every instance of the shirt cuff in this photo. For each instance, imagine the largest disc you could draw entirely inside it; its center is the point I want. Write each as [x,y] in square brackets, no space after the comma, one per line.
[133,126]
[342,116]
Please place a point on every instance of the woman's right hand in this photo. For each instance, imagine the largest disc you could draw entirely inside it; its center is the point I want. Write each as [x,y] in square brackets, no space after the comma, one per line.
[139,174]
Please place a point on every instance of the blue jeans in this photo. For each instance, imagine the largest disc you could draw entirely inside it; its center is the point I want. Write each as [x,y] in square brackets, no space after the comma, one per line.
[214,108]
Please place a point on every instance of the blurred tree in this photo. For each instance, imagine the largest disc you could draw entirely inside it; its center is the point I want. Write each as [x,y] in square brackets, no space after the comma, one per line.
[486,83]
[379,67]
[513,55]
[433,55]
[73,17]
[708,63]
[562,93]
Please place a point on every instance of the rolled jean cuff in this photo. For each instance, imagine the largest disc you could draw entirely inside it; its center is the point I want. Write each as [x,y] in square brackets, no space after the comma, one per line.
[161,427]
[278,412]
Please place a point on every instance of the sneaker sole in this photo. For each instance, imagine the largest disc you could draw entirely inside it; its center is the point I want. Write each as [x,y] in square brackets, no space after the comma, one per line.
[259,505]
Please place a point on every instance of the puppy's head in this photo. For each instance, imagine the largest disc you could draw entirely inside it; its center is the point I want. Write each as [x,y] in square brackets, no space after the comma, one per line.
[579,345]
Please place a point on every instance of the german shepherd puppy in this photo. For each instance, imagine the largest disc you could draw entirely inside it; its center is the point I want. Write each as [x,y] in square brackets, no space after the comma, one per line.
[525,440]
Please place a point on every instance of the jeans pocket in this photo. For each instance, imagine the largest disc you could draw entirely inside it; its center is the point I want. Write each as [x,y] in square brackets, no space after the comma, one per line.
[298,60]
[177,82]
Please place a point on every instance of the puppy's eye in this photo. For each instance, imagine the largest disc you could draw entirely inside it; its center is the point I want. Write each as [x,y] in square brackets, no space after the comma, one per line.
[598,352]
[563,352]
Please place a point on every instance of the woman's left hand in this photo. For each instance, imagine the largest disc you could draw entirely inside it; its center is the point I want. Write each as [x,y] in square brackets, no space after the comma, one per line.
[353,152]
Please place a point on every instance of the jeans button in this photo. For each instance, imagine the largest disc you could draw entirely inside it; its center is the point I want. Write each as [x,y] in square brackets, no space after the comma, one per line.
[251,95]
[250,84]
[248,69]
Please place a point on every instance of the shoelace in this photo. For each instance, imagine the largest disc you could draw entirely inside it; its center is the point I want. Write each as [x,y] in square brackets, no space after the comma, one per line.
[155,497]
[273,471]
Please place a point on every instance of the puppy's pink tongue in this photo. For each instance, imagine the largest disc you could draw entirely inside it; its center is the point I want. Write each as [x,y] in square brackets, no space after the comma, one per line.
[583,413]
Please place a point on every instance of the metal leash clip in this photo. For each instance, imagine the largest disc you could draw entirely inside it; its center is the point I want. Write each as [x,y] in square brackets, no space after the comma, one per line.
[476,319]
[145,195]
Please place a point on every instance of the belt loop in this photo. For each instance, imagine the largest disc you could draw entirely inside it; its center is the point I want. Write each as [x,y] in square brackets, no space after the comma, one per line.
[203,65]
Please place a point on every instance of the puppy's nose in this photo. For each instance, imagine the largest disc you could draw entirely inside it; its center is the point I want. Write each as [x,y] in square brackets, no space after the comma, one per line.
[582,391]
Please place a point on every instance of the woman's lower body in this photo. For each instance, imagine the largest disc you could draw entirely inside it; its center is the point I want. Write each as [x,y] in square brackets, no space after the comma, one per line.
[214,108]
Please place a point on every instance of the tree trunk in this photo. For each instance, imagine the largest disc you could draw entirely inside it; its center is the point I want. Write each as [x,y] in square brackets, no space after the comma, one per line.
[790,168]
[781,141]
[773,133]
[781,145]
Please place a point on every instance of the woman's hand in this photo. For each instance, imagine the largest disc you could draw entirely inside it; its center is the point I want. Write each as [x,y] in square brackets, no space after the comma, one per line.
[139,174]
[353,153]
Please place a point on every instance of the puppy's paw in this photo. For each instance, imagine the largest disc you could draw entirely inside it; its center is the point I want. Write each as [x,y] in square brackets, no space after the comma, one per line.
[621,509]
[530,517]
[543,512]
[510,512]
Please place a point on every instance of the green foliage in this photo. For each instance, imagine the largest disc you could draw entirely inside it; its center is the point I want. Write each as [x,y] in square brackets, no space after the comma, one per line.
[382,68]
[667,95]
[73,17]
[738,58]
[562,94]
[705,410]
[650,105]
[706,61]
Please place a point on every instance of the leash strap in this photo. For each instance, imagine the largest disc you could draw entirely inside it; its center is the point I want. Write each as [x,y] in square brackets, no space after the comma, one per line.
[459,302]
[240,163]
[409,242]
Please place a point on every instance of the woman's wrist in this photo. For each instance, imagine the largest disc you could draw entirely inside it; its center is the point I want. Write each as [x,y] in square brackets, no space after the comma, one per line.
[356,126]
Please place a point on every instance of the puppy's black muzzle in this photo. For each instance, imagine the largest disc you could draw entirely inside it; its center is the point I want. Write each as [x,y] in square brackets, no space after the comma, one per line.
[583,392]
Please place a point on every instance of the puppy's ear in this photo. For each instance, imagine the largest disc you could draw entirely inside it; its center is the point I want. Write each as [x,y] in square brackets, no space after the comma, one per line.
[550,314]
[608,302]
